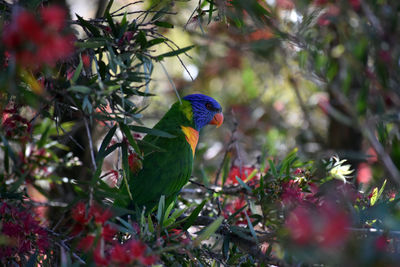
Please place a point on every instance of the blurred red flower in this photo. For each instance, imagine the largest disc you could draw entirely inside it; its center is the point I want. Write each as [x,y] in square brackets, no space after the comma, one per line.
[86,243]
[364,173]
[119,254]
[79,213]
[243,173]
[149,260]
[335,222]
[54,16]
[99,214]
[326,225]
[285,4]
[300,225]
[37,41]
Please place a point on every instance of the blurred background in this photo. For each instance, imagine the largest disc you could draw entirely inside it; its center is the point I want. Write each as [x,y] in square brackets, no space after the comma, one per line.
[318,75]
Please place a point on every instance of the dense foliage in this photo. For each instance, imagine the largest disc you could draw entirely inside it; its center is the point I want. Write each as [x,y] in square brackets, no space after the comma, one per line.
[72,125]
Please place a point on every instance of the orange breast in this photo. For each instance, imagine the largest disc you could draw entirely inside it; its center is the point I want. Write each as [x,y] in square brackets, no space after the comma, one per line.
[192,137]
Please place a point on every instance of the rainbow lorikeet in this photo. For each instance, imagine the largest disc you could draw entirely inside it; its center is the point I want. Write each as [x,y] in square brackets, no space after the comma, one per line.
[166,171]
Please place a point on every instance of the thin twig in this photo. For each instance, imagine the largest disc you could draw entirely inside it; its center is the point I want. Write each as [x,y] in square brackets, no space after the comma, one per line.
[171,82]
[384,157]
[232,140]
[91,155]
[306,113]
[125,6]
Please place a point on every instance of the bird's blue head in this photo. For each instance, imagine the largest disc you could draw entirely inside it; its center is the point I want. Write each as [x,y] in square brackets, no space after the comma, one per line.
[206,110]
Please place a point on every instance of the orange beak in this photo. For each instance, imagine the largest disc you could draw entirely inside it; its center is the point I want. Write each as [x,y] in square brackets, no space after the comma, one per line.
[218,119]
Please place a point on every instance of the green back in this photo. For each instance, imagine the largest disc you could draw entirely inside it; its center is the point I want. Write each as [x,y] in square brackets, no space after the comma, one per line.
[165,173]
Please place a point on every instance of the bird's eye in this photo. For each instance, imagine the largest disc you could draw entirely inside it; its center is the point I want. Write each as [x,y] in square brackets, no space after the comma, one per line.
[209,106]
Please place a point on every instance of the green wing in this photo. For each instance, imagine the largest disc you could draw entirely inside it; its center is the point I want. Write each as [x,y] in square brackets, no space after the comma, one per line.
[163,173]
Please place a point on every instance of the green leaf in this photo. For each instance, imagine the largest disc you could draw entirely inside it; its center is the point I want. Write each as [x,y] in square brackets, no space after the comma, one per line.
[253,233]
[164,24]
[381,190]
[210,11]
[43,139]
[80,89]
[77,71]
[225,168]
[150,131]
[102,153]
[243,184]
[141,39]
[374,196]
[206,233]
[193,216]
[273,169]
[92,29]
[106,141]
[160,13]
[160,211]
[150,223]
[174,53]
[125,167]
[155,42]
[174,216]
[107,10]
[111,24]
[124,128]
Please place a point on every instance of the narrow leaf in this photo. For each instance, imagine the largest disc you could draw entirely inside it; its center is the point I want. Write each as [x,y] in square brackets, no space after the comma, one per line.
[192,217]
[150,131]
[243,184]
[211,229]
[175,52]
[164,24]
[160,211]
[80,89]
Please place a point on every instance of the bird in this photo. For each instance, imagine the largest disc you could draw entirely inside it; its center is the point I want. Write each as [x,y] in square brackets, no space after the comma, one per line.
[166,170]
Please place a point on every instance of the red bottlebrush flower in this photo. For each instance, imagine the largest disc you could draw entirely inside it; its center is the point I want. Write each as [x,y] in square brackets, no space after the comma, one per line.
[232,207]
[56,48]
[320,2]
[372,156]
[355,4]
[381,243]
[99,258]
[291,193]
[298,171]
[241,172]
[100,215]
[108,232]
[54,17]
[149,260]
[37,42]
[137,248]
[27,25]
[86,60]
[86,243]
[335,223]
[285,4]
[80,215]
[135,164]
[364,174]
[300,225]
[120,255]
